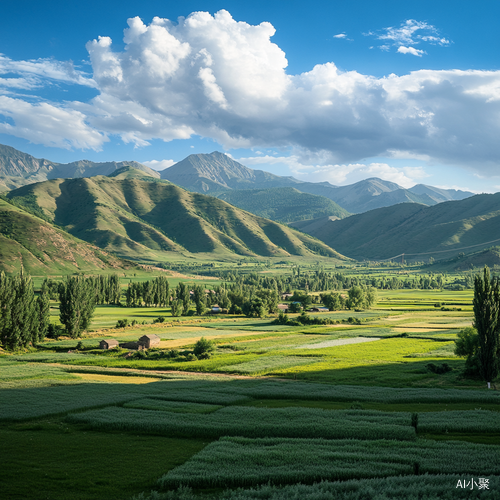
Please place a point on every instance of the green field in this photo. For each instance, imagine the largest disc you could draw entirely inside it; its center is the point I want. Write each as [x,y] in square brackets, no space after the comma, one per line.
[277,411]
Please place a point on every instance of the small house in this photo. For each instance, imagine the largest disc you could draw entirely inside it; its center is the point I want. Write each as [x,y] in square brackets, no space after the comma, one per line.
[286,296]
[108,344]
[319,309]
[283,307]
[216,309]
[148,341]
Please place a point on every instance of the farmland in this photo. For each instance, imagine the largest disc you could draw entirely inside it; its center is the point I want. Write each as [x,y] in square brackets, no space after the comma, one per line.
[367,402]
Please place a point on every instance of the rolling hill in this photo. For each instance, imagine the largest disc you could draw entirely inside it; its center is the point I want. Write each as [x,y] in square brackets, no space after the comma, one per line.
[19,169]
[146,221]
[441,230]
[283,204]
[43,249]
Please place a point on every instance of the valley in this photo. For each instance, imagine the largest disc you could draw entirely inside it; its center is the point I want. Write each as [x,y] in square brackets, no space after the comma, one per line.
[248,335]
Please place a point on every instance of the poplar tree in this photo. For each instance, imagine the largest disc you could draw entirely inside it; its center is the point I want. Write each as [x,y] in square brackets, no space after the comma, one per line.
[486,306]
[77,304]
[42,310]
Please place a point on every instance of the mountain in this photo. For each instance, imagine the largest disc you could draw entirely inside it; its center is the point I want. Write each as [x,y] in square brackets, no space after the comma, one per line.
[417,231]
[144,220]
[439,195]
[19,169]
[130,172]
[283,204]
[44,249]
[217,173]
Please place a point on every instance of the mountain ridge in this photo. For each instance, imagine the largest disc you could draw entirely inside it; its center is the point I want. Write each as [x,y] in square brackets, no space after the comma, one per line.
[143,220]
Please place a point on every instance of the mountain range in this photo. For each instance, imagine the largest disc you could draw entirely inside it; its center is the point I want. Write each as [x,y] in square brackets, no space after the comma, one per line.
[19,169]
[443,230]
[149,220]
[217,174]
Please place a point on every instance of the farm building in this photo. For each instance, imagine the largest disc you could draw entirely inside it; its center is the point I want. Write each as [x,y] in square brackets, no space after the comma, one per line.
[108,344]
[283,307]
[319,309]
[150,340]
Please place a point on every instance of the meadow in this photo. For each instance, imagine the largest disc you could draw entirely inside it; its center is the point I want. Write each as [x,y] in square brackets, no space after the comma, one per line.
[276,412]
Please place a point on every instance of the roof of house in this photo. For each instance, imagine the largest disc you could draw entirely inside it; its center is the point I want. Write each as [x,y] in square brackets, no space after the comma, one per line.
[150,336]
[111,341]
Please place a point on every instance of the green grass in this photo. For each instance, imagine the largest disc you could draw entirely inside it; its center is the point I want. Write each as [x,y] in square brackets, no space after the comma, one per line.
[245,462]
[53,460]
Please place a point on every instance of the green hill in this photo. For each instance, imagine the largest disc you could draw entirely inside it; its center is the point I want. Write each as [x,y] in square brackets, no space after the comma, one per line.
[43,249]
[418,231]
[147,220]
[283,204]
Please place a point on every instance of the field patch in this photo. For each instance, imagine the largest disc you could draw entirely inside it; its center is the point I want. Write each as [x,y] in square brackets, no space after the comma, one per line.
[337,342]
[267,364]
[236,461]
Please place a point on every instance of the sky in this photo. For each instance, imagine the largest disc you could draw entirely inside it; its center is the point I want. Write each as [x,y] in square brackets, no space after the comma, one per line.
[324,91]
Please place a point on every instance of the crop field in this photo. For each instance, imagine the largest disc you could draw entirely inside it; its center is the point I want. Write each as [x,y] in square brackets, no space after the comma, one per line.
[277,412]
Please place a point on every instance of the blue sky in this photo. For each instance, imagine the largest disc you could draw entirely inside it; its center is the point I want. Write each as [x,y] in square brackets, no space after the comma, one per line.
[321,90]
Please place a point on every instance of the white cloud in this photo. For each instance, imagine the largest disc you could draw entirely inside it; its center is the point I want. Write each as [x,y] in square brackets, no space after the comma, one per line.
[340,35]
[304,168]
[159,164]
[411,50]
[218,78]
[46,124]
[34,73]
[409,33]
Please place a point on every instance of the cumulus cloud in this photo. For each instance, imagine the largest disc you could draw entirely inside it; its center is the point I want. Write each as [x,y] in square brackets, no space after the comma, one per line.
[340,35]
[158,164]
[226,80]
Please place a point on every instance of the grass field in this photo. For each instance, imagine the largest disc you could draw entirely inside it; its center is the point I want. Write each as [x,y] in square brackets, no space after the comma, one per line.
[295,391]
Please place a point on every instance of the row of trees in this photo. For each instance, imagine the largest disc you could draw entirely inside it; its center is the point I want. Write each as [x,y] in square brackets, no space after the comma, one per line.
[24,318]
[320,281]
[481,343]
[154,292]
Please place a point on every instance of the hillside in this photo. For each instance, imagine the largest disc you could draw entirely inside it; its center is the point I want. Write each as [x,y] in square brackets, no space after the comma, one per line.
[146,220]
[283,204]
[216,173]
[19,169]
[413,229]
[44,249]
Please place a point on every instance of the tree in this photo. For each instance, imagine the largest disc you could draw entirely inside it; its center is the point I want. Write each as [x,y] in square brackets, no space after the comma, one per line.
[486,305]
[467,346]
[333,301]
[254,308]
[356,298]
[204,348]
[77,304]
[199,299]
[42,313]
[17,311]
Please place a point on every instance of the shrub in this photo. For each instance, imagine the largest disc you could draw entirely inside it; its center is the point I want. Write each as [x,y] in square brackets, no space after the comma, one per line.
[439,369]
[121,323]
[159,319]
[204,348]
